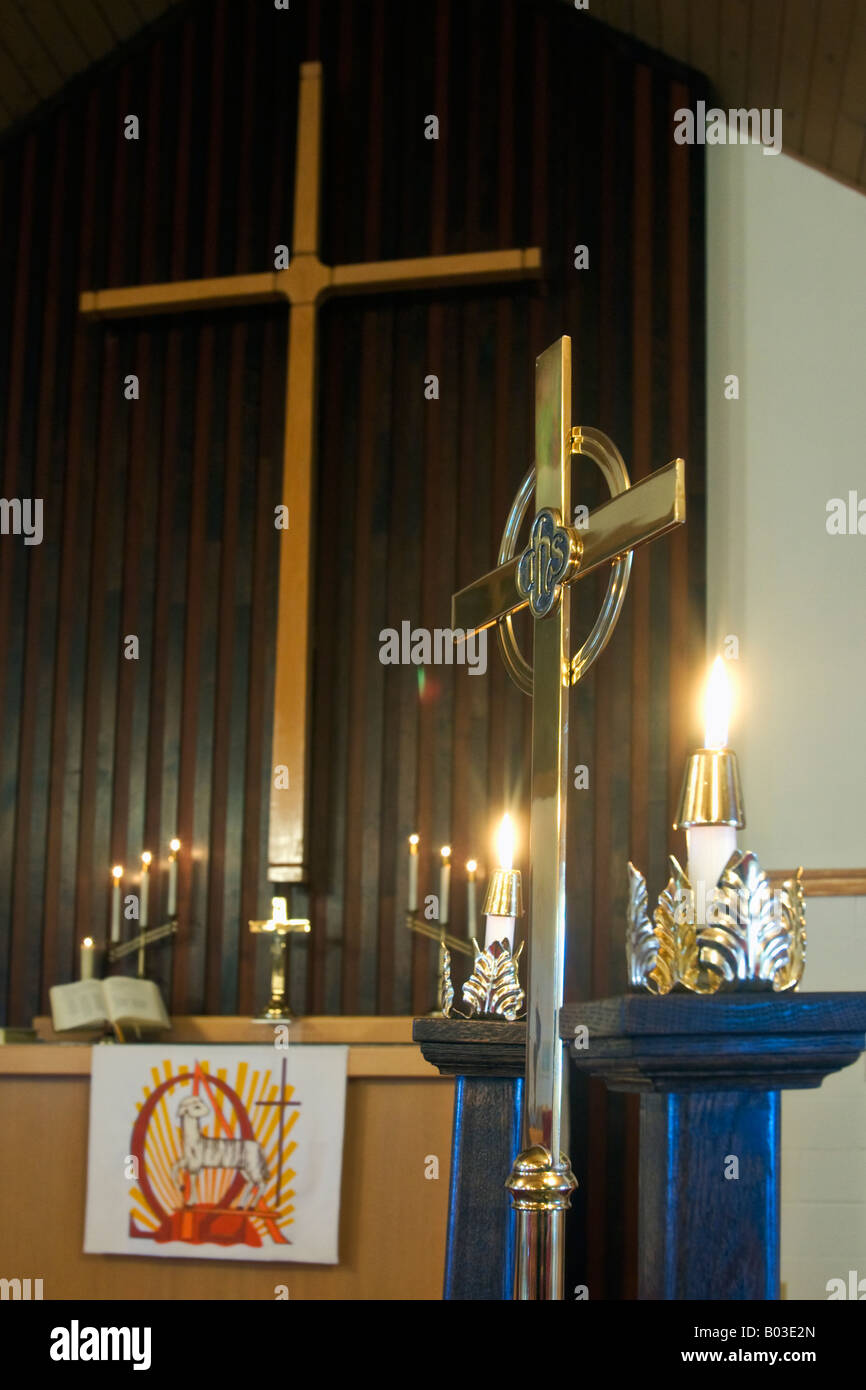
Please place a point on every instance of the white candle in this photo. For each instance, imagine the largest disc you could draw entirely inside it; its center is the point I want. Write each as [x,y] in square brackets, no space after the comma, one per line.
[709,847]
[116,876]
[471,898]
[413,873]
[502,928]
[444,884]
[174,846]
[145,888]
[88,955]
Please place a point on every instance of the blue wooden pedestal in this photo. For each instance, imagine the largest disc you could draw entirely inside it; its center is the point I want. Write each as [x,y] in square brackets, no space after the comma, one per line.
[709,1071]
[487,1059]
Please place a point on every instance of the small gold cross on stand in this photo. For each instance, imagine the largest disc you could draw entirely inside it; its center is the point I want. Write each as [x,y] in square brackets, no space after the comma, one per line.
[280,926]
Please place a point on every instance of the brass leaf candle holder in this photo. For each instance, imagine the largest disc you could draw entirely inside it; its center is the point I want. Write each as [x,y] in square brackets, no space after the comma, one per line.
[741,934]
[493,990]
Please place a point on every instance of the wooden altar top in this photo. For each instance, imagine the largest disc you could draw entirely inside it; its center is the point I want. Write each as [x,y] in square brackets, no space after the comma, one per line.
[378,1046]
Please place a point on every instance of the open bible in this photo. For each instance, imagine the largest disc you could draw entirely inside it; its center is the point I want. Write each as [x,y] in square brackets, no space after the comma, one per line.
[119,1001]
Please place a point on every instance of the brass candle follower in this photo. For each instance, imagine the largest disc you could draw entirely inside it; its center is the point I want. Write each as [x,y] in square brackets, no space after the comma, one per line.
[711,793]
[504,896]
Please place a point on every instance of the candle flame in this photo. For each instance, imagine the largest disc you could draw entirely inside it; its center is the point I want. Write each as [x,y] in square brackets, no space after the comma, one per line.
[471,866]
[717,707]
[146,858]
[117,871]
[446,853]
[88,942]
[174,845]
[506,842]
[413,843]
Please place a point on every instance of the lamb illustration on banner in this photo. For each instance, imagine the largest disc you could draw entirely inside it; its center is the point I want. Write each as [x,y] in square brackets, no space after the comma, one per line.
[201,1151]
[228,1152]
[213,1189]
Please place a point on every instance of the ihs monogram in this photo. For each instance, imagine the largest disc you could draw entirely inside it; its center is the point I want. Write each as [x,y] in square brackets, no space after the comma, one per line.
[545,562]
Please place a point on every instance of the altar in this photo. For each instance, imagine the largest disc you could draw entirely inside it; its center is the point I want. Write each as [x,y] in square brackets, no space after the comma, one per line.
[393,1201]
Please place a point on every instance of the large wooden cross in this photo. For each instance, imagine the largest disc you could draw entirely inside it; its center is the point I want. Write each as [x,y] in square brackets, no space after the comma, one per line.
[540,579]
[302,287]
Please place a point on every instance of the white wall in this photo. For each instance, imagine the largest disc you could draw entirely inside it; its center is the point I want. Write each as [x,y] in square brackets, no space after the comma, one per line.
[786,309]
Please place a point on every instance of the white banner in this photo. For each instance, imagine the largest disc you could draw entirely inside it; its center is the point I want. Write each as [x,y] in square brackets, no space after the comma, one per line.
[215,1152]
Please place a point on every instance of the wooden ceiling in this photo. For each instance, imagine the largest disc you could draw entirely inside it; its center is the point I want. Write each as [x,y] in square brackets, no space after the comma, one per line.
[806,56]
[45,43]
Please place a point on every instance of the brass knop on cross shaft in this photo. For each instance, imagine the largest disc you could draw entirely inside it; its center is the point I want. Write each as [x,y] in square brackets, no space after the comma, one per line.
[537,1184]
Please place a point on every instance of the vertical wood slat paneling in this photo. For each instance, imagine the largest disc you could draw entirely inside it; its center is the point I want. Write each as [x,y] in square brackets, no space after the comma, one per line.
[165,506]
[28,885]
[11,962]
[102,635]
[71,487]
[223,887]
[432,497]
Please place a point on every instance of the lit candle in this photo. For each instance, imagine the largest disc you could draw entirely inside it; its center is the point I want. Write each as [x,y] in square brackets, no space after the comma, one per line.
[501,928]
[116,876]
[88,955]
[174,846]
[709,847]
[145,888]
[471,898]
[444,884]
[413,873]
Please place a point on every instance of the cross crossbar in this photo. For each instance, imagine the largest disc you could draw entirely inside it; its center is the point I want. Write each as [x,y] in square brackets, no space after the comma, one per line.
[646,511]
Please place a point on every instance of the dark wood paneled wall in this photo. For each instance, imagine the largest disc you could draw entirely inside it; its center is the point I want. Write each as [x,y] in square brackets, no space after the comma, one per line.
[159,512]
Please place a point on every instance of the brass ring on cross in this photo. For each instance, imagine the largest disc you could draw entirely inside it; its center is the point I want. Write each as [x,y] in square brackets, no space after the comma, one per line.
[606,455]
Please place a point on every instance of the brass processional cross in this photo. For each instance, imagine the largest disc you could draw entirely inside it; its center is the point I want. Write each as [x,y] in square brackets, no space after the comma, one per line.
[301,287]
[541,1180]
